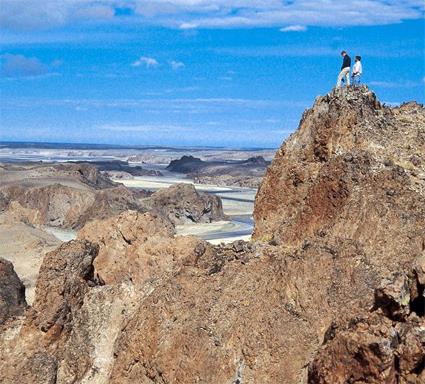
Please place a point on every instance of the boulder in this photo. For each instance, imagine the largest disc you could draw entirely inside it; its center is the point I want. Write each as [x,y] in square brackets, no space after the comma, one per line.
[182,204]
[12,292]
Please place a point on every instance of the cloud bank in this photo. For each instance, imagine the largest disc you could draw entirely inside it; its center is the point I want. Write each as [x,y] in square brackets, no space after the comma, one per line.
[192,14]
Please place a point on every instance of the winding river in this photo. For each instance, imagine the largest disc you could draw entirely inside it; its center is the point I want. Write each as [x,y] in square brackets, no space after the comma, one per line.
[238,205]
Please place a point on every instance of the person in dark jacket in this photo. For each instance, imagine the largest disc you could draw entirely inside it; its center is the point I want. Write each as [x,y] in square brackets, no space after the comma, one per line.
[345,69]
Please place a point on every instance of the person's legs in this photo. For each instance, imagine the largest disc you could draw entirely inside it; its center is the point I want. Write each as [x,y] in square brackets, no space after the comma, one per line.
[344,73]
[356,80]
[340,78]
[347,75]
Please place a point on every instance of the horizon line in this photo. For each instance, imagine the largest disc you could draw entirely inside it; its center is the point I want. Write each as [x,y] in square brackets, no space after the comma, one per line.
[4,144]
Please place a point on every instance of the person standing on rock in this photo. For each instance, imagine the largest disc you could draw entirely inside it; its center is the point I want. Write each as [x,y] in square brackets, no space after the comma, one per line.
[357,70]
[345,69]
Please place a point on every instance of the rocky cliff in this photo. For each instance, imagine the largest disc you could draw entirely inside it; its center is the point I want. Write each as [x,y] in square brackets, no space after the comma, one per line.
[331,291]
[350,163]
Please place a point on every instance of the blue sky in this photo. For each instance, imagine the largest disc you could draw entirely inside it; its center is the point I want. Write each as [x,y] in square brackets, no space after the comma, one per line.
[194,72]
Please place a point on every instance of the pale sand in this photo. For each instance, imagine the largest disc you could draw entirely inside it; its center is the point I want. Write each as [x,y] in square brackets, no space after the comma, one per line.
[230,240]
[217,232]
[153,182]
[25,247]
[237,208]
[62,234]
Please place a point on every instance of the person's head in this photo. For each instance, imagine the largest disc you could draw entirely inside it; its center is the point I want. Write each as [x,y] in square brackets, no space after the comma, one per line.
[343,53]
[358,58]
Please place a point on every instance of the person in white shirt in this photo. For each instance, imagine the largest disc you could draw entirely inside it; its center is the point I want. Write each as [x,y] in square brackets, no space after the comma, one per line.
[357,71]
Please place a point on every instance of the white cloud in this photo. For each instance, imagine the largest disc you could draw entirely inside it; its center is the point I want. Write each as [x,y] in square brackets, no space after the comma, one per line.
[294,28]
[188,26]
[190,14]
[176,65]
[148,62]
[22,66]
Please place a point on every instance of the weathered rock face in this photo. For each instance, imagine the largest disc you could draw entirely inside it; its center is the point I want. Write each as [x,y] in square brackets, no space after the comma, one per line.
[55,205]
[343,212]
[68,335]
[181,204]
[37,342]
[12,292]
[387,346]
[142,240]
[61,195]
[64,278]
[110,202]
[347,144]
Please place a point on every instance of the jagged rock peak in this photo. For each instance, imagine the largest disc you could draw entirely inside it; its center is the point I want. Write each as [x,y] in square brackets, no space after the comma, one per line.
[347,132]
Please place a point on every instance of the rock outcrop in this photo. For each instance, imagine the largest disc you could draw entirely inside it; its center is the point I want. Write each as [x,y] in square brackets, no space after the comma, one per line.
[12,292]
[386,346]
[182,204]
[61,195]
[64,278]
[348,147]
[39,340]
[136,238]
[86,173]
[186,164]
[243,173]
[332,290]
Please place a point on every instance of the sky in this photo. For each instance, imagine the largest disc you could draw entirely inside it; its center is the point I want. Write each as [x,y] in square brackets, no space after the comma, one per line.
[194,72]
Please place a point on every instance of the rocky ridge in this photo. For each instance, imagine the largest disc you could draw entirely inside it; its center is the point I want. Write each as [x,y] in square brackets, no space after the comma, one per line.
[243,173]
[70,195]
[334,278]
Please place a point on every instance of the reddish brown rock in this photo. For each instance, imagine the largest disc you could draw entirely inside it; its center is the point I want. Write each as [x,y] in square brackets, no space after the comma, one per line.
[64,278]
[387,346]
[346,146]
[12,292]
